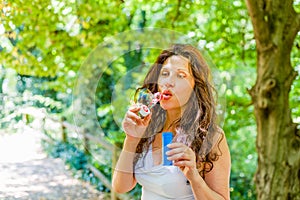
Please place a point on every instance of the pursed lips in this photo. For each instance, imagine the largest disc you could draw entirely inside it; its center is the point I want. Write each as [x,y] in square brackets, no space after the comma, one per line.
[167,94]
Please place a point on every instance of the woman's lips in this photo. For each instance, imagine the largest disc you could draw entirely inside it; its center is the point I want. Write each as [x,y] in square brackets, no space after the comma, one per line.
[166,95]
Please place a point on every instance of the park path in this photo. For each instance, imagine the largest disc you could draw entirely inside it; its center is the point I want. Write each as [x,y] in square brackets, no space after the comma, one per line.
[27,173]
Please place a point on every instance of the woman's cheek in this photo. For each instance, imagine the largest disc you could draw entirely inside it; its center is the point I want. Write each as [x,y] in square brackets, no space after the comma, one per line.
[184,95]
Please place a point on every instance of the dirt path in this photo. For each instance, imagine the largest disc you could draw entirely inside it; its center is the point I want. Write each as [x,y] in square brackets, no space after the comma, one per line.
[26,172]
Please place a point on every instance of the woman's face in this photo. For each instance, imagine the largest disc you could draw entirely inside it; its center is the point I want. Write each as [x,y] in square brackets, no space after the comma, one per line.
[175,82]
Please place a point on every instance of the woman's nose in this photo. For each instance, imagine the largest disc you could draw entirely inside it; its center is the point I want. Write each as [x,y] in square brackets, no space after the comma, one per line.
[169,83]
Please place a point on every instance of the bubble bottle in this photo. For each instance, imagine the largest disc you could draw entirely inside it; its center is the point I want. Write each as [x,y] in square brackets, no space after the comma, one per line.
[146,100]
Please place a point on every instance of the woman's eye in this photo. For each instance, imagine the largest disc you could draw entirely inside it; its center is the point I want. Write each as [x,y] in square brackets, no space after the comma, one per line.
[181,75]
[164,73]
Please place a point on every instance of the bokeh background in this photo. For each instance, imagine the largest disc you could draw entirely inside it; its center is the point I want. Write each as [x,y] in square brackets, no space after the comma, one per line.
[62,62]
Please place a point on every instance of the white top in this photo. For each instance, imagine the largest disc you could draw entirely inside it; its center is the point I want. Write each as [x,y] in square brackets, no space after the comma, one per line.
[161,182]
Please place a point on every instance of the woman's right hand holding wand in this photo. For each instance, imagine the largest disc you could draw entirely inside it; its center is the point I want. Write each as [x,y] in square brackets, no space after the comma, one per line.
[133,125]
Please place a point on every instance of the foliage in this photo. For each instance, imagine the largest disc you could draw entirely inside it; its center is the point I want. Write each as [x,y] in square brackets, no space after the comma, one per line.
[295,92]
[47,42]
[76,159]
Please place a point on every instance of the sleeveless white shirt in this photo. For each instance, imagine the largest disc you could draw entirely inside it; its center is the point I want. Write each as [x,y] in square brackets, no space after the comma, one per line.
[161,182]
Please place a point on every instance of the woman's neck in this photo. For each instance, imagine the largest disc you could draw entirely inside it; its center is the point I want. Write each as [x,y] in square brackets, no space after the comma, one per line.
[172,116]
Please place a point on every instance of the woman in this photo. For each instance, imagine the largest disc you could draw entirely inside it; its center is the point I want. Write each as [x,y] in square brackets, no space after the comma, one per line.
[199,152]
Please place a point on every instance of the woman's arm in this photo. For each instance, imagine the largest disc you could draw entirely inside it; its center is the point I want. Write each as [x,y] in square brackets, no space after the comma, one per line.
[216,183]
[123,177]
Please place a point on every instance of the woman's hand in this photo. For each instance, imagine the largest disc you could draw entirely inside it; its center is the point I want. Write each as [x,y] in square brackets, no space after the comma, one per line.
[183,157]
[133,125]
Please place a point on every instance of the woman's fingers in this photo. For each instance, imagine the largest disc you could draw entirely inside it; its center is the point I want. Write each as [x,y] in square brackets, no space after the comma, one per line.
[181,154]
[135,117]
[134,108]
[177,149]
[183,163]
[145,121]
[133,124]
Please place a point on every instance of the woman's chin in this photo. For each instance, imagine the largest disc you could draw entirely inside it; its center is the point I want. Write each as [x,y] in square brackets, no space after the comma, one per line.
[169,106]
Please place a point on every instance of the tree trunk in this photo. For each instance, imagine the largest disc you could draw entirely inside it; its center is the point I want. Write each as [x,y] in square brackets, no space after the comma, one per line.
[275,25]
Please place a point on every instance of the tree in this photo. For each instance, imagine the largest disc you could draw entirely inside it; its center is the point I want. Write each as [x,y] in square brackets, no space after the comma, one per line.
[275,24]
[51,39]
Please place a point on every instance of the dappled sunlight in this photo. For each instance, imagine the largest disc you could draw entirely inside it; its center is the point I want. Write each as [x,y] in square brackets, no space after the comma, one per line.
[70,68]
[20,147]
[27,173]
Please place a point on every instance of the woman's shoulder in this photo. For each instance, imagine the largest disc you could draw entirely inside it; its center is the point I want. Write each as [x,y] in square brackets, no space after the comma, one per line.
[220,146]
[219,134]
[216,135]
[219,130]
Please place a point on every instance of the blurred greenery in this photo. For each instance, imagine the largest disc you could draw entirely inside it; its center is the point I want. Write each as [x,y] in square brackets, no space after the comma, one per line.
[43,45]
[76,160]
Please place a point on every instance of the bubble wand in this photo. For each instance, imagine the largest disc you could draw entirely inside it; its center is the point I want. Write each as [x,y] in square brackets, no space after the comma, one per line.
[146,100]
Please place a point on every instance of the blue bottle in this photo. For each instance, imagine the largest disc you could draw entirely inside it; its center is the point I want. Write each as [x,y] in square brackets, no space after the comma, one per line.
[167,138]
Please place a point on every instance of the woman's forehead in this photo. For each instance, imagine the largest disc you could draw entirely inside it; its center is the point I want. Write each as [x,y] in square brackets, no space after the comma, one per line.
[177,62]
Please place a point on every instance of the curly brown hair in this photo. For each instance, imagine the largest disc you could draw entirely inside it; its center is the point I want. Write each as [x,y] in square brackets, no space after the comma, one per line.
[198,121]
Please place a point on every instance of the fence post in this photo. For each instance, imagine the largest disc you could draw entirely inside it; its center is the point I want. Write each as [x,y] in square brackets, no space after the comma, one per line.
[43,129]
[26,118]
[64,131]
[86,142]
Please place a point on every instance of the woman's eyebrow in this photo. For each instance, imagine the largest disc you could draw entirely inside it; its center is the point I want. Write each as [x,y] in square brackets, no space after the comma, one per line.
[165,67]
[184,70]
[178,69]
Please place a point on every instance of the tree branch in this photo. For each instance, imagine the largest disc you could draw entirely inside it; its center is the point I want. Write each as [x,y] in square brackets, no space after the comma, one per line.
[177,14]
[297,23]
[292,26]
[257,12]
